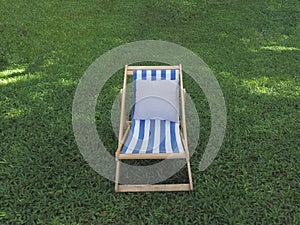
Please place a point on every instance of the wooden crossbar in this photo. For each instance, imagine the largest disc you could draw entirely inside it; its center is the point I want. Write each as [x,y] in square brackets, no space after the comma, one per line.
[130,69]
[153,67]
[153,156]
[154,187]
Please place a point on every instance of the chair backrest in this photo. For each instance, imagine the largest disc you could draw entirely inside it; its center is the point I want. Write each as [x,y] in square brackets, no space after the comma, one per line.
[156,94]
[154,73]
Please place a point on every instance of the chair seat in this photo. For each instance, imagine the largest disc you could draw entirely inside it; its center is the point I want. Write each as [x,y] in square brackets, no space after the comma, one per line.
[153,137]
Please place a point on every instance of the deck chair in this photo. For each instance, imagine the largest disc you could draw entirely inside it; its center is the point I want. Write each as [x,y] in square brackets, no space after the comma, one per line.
[155,131]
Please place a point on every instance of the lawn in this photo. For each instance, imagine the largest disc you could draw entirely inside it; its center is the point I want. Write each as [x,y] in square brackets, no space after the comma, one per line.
[253,48]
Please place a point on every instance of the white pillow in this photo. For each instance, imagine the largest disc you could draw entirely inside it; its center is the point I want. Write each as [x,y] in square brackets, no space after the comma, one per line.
[157,99]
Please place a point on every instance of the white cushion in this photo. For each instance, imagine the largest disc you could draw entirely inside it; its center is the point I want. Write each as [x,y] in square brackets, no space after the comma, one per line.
[156,99]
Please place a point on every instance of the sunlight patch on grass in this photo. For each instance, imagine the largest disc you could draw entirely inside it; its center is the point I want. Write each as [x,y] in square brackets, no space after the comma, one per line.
[279,48]
[14,113]
[39,95]
[245,40]
[17,78]
[271,86]
[66,82]
[9,80]
[225,73]
[275,48]
[223,35]
[11,71]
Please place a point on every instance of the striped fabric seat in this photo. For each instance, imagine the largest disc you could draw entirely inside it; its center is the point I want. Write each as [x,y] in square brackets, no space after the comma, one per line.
[153,136]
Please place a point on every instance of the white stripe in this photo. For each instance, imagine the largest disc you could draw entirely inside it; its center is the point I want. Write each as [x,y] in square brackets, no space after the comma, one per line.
[168,74]
[135,137]
[178,138]
[148,74]
[168,138]
[156,137]
[177,74]
[158,74]
[138,74]
[146,137]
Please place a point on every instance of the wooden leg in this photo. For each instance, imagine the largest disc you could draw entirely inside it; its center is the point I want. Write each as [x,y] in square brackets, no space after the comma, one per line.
[117,176]
[190,174]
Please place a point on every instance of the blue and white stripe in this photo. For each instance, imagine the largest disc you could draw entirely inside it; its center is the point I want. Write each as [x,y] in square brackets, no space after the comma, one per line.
[154,136]
[156,75]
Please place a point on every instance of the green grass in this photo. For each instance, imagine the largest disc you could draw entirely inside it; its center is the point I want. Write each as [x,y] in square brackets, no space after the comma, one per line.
[253,47]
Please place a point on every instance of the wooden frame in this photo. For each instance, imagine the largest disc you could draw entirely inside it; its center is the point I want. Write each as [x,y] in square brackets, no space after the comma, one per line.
[123,136]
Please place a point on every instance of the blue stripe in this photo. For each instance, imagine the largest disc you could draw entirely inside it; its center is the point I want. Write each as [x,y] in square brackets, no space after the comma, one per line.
[173,138]
[129,138]
[144,74]
[153,74]
[134,74]
[162,145]
[163,74]
[151,137]
[173,74]
[138,145]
